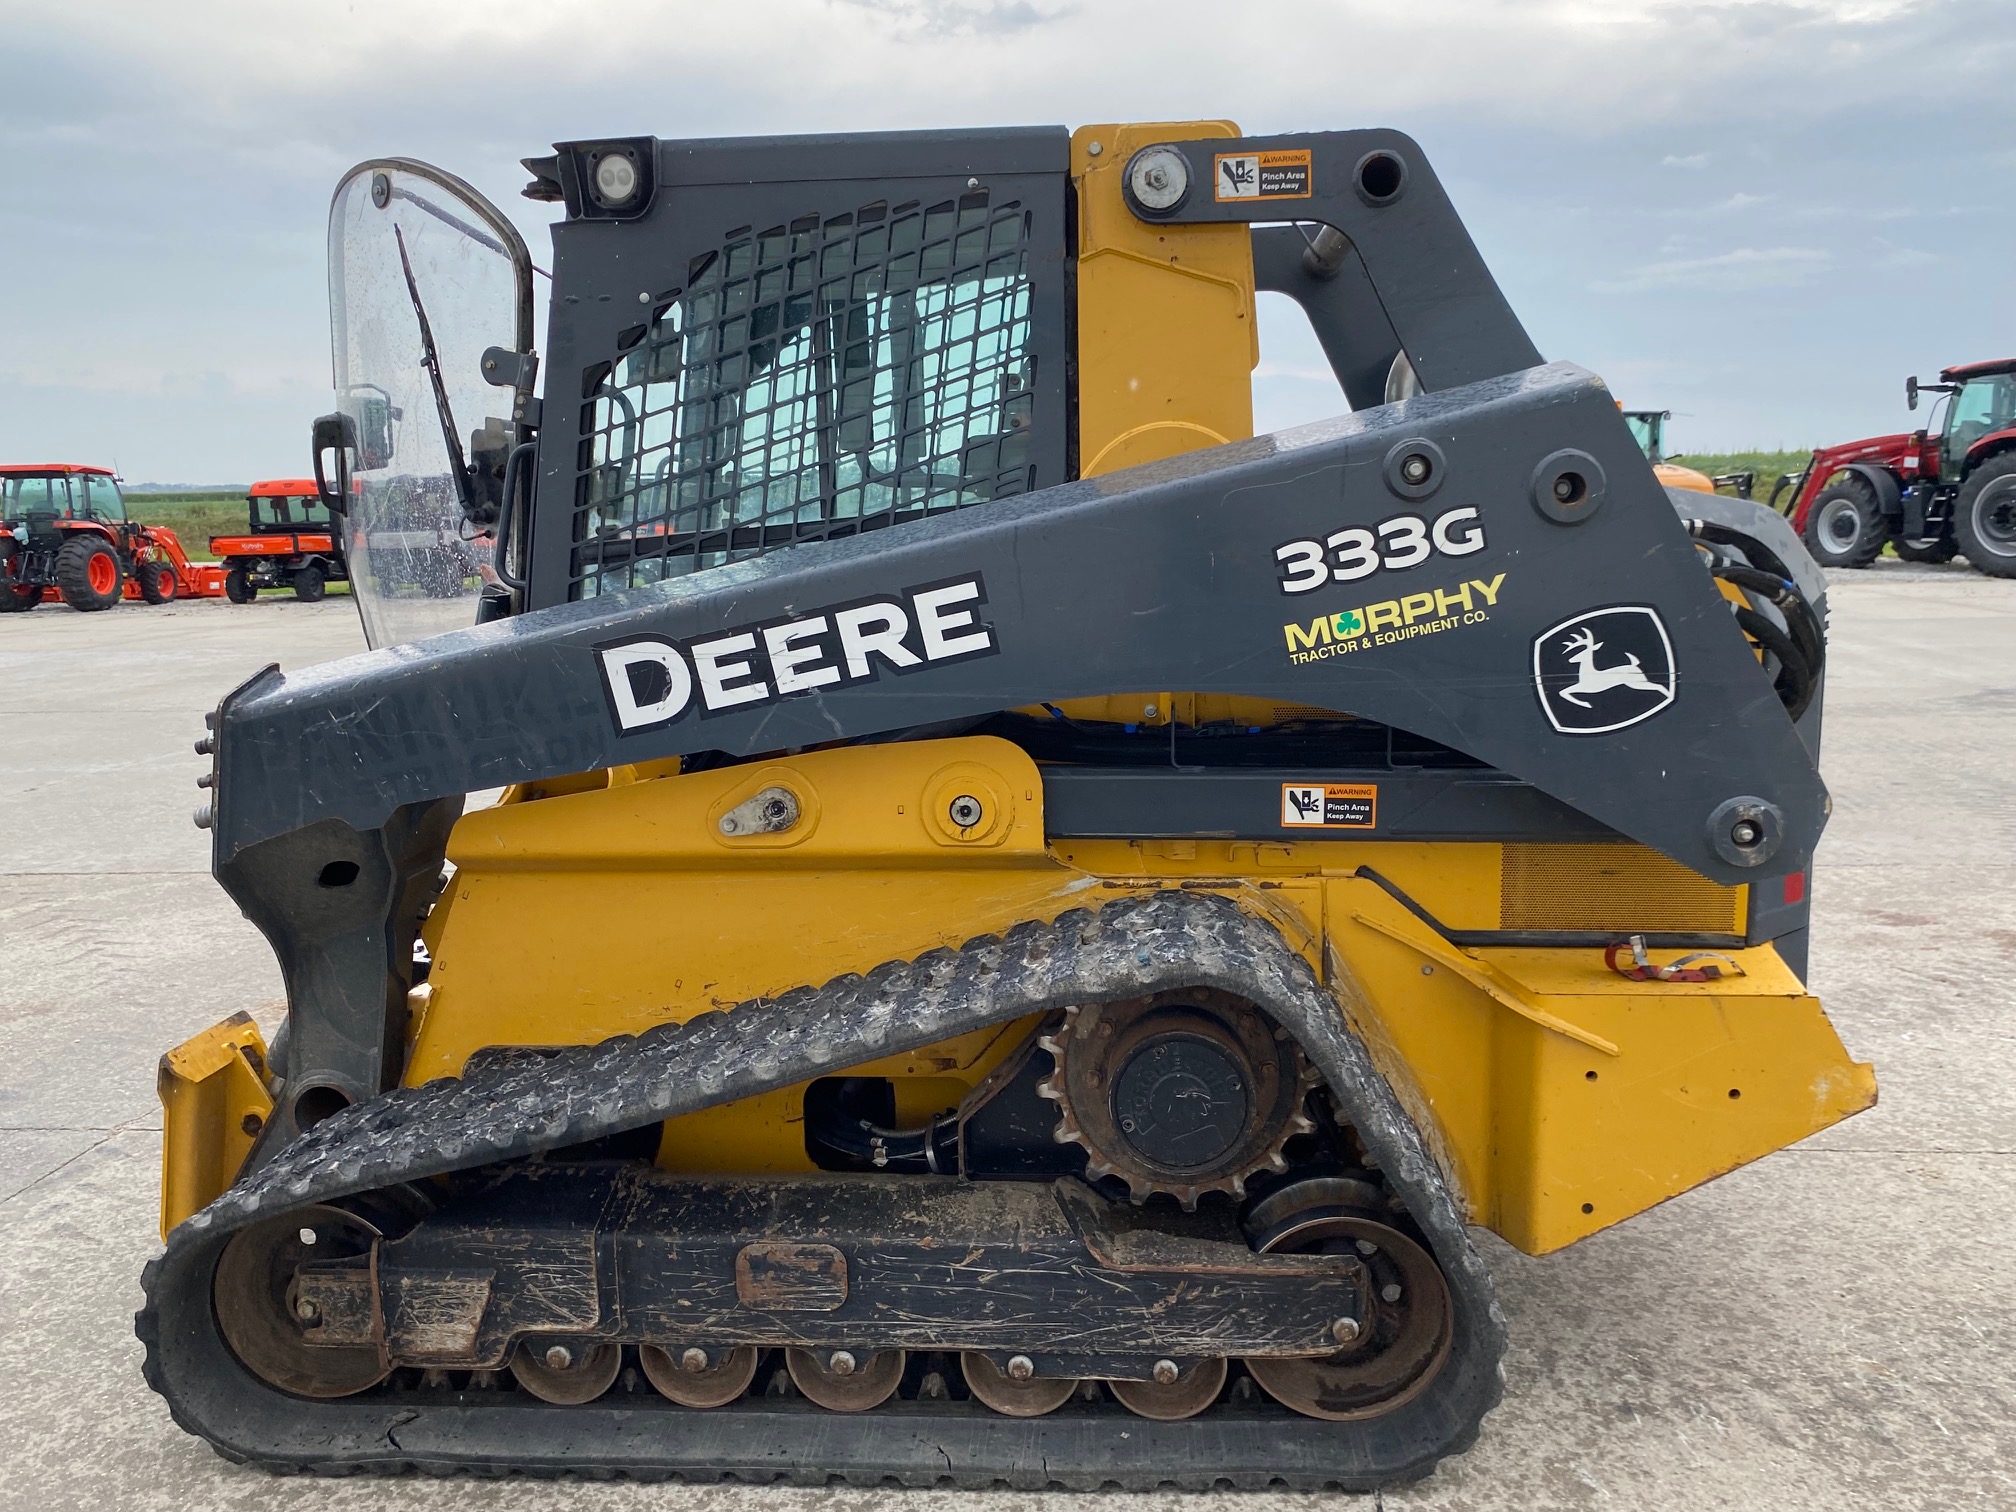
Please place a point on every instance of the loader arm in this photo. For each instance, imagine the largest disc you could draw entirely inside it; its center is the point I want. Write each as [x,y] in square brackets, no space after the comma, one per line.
[1164,576]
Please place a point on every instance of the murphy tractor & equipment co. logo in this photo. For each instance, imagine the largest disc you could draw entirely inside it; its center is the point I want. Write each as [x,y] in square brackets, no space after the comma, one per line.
[1603,670]
[651,682]
[1387,623]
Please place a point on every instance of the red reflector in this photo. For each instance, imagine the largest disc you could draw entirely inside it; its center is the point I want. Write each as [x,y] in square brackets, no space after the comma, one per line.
[1795,887]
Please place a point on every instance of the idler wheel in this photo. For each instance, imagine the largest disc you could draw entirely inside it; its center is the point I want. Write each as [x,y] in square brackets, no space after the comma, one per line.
[1012,1396]
[268,1326]
[696,1377]
[845,1380]
[1188,1394]
[566,1372]
[1405,1338]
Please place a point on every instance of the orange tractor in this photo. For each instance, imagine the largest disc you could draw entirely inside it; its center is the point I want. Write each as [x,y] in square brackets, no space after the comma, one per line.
[64,532]
[291,543]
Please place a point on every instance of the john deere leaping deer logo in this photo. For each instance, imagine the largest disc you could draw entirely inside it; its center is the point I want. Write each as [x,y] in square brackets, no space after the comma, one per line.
[1604,670]
[1582,647]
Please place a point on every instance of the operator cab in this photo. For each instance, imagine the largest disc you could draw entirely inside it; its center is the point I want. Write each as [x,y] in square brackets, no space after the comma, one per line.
[34,498]
[284,509]
[1984,404]
[1978,400]
[1648,429]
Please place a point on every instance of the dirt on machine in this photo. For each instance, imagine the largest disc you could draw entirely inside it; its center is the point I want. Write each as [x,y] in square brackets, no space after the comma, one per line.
[292,540]
[65,538]
[1931,494]
[1022,915]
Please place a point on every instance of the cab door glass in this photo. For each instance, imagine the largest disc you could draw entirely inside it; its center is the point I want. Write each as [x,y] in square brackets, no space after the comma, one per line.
[1983,406]
[103,497]
[422,270]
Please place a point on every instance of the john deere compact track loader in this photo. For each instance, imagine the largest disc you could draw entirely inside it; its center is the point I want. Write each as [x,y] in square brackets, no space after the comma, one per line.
[1019,911]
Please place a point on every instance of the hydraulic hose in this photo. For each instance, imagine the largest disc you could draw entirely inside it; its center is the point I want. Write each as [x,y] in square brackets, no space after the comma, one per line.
[933,1148]
[1800,647]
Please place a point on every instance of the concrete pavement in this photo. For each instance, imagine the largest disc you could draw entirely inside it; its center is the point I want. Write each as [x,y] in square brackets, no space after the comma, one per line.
[1833,1327]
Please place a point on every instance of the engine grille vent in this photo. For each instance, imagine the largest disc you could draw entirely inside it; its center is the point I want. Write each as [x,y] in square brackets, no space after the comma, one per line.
[811,380]
[1625,889]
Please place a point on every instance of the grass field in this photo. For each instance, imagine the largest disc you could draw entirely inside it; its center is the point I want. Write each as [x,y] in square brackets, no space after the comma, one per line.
[193,517]
[1769,466]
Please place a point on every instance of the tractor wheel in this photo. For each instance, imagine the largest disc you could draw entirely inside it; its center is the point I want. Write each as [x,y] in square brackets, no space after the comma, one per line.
[1940,548]
[14,597]
[1845,527]
[88,572]
[310,582]
[239,587]
[1984,516]
[158,582]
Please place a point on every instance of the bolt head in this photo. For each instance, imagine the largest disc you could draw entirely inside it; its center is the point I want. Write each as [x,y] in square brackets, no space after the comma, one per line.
[1345,1330]
[1745,832]
[1367,1247]
[1158,178]
[841,1362]
[559,1357]
[1416,468]
[1166,1373]
[1020,1367]
[306,1310]
[694,1358]
[1390,1292]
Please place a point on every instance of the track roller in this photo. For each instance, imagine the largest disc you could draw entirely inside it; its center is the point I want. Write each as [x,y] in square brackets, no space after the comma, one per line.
[566,1372]
[696,1377]
[1016,1391]
[845,1380]
[1175,1393]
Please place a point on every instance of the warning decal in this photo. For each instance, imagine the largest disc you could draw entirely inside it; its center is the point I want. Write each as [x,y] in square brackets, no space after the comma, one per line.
[1262,175]
[1331,805]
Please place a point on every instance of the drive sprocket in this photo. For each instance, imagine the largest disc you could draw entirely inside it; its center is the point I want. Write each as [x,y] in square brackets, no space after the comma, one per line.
[1179,1094]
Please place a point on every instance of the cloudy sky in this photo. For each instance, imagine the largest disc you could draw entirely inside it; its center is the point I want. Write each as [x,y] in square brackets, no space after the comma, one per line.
[1761,214]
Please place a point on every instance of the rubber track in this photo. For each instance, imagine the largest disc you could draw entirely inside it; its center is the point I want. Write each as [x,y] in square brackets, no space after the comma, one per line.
[1129,948]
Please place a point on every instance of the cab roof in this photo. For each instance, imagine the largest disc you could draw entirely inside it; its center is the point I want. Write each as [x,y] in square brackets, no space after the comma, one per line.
[284,488]
[1968,370]
[46,469]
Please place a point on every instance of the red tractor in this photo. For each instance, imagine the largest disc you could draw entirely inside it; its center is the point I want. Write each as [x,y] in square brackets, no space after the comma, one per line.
[1948,488]
[64,531]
